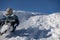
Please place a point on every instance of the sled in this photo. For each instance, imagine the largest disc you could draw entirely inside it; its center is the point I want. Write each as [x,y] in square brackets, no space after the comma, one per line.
[5,28]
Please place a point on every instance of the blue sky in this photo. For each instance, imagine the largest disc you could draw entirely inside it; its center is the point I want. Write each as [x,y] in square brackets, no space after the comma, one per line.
[43,6]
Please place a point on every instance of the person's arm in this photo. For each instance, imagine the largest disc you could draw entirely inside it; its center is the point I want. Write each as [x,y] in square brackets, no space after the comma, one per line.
[3,18]
[17,20]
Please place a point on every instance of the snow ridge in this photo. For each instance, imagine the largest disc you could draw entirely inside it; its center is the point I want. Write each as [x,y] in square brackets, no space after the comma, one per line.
[34,26]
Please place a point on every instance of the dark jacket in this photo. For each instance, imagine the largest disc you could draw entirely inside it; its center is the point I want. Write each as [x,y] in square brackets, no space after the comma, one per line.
[11,17]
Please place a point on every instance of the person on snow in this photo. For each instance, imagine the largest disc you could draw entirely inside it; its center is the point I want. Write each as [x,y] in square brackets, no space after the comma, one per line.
[8,16]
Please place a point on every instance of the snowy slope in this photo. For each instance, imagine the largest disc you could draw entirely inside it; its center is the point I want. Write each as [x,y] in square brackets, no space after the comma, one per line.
[35,26]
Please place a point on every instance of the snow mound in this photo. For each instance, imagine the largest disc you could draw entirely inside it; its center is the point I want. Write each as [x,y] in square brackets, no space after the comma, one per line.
[34,26]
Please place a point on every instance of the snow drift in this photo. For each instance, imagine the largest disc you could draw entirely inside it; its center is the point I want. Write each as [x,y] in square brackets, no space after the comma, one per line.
[35,26]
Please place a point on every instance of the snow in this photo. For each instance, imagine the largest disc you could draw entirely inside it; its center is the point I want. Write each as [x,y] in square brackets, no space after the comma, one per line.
[35,26]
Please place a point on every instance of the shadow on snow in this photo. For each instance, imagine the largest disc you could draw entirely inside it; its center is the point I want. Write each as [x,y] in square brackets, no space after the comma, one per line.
[35,33]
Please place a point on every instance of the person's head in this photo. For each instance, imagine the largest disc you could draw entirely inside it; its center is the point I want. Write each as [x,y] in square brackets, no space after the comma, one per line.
[9,11]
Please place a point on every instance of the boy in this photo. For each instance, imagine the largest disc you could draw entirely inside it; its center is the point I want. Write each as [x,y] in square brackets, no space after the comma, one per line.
[10,17]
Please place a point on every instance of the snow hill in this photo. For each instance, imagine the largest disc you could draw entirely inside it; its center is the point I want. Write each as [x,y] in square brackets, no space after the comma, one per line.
[35,26]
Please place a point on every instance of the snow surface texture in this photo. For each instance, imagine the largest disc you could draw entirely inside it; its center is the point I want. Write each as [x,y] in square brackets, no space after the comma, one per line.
[35,26]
